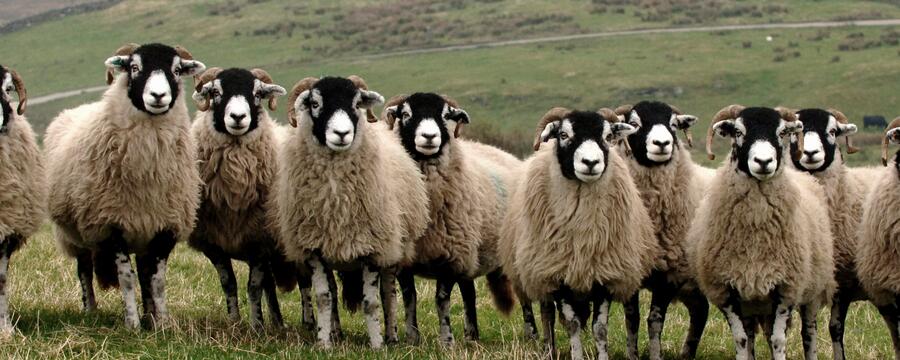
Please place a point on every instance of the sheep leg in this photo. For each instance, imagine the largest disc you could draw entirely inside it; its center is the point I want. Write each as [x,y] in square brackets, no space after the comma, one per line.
[336,332]
[324,299]
[228,282]
[530,327]
[254,293]
[808,330]
[371,304]
[308,317]
[571,322]
[659,305]
[389,304]
[632,325]
[85,265]
[159,249]
[272,297]
[742,342]
[839,306]
[442,299]
[891,317]
[126,283]
[408,291]
[548,322]
[144,272]
[698,310]
[750,325]
[779,329]
[602,300]
[467,289]
[5,253]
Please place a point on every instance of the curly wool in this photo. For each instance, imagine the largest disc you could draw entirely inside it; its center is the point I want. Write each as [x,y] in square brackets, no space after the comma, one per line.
[755,236]
[24,196]
[111,165]
[878,250]
[238,174]
[565,232]
[369,201]
[468,186]
[671,194]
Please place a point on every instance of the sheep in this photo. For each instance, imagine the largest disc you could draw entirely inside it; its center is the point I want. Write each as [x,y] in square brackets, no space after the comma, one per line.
[671,187]
[579,231]
[467,184]
[760,243]
[347,197]
[236,149]
[844,190]
[23,202]
[879,230]
[123,177]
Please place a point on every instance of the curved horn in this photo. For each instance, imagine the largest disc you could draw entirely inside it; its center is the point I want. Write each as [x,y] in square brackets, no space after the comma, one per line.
[610,115]
[789,114]
[20,90]
[728,112]
[123,50]
[885,141]
[202,79]
[183,53]
[299,88]
[361,84]
[617,115]
[389,117]
[264,76]
[555,114]
[841,118]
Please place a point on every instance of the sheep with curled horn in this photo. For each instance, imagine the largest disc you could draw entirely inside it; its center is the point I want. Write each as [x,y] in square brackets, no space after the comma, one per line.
[877,261]
[671,186]
[845,189]
[23,203]
[348,198]
[467,186]
[760,244]
[576,232]
[142,198]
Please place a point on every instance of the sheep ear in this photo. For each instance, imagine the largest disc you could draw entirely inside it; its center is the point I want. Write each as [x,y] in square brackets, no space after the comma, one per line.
[792,127]
[300,104]
[458,115]
[370,99]
[267,91]
[191,68]
[682,122]
[619,131]
[118,63]
[846,129]
[893,135]
[725,129]
[550,131]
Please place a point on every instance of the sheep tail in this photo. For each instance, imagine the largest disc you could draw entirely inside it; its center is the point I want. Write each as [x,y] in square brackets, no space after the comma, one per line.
[352,291]
[105,269]
[501,291]
[285,274]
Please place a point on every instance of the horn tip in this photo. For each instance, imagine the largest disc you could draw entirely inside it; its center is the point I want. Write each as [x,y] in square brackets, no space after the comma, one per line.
[711,156]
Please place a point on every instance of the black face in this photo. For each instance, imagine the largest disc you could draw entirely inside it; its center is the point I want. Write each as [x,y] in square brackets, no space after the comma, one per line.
[655,117]
[816,122]
[235,91]
[5,88]
[329,96]
[154,59]
[757,135]
[422,118]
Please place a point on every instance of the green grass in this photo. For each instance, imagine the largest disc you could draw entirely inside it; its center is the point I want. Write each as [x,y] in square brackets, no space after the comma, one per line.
[45,302]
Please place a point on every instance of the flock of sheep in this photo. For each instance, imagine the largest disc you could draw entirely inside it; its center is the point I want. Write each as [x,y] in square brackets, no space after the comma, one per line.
[610,203]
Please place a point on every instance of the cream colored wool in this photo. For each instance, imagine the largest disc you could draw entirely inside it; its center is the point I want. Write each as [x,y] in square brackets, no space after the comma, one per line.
[110,164]
[368,201]
[468,185]
[579,235]
[671,193]
[754,236]
[238,174]
[878,250]
[24,196]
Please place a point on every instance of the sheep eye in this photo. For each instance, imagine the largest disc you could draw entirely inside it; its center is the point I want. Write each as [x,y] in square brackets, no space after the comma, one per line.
[314,105]
[134,68]
[563,136]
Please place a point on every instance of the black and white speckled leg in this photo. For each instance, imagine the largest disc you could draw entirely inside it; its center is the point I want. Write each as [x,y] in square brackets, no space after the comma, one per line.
[324,299]
[442,299]
[371,305]
[698,310]
[840,304]
[408,291]
[548,322]
[809,330]
[572,325]
[467,289]
[254,293]
[229,285]
[85,267]
[632,325]
[160,248]
[742,343]
[656,318]
[529,325]
[337,333]
[5,254]
[126,285]
[308,317]
[389,304]
[272,297]
[779,330]
[144,267]
[600,327]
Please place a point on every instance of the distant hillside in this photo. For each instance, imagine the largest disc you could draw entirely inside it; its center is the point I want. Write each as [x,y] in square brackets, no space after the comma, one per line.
[20,14]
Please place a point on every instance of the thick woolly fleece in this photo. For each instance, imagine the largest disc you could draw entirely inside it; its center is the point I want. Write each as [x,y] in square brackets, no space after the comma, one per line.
[671,194]
[110,164]
[24,196]
[468,186]
[579,235]
[368,201]
[755,236]
[238,174]
[878,250]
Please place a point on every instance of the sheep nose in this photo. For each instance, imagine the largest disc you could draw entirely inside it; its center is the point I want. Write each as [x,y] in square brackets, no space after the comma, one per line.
[590,163]
[810,153]
[157,96]
[429,137]
[764,163]
[662,144]
[238,117]
[341,134]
